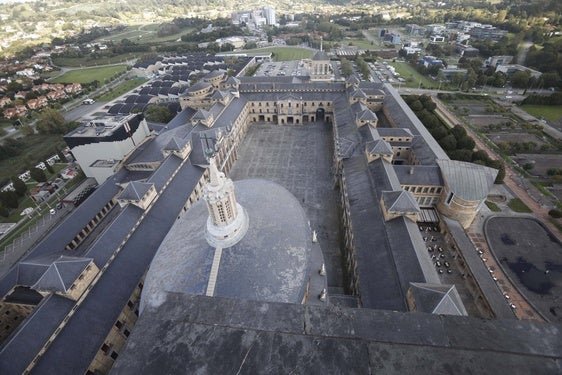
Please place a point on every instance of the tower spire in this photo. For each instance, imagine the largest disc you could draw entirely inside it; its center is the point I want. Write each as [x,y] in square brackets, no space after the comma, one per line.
[228,221]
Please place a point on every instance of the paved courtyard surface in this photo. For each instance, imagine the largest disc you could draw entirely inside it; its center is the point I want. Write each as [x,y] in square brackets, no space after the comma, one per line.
[299,159]
[532,259]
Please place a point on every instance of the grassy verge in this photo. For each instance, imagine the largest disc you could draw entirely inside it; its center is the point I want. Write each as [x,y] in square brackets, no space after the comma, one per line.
[91,74]
[76,62]
[549,112]
[121,89]
[542,189]
[517,205]
[492,206]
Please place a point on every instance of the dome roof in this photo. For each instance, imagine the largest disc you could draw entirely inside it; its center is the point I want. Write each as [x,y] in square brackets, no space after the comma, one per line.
[270,263]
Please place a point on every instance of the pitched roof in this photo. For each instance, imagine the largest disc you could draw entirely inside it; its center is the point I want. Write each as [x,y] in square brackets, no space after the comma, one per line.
[400,201]
[201,114]
[379,147]
[468,181]
[367,115]
[437,299]
[358,93]
[134,191]
[353,79]
[176,144]
[320,56]
[52,273]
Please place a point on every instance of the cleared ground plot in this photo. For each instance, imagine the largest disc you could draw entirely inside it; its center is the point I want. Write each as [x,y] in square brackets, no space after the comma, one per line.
[298,158]
[541,162]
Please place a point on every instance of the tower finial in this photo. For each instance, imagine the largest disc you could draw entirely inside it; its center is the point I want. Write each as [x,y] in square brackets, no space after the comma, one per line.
[228,221]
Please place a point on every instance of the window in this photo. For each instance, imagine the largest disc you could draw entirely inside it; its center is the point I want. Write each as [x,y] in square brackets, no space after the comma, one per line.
[126,332]
[449,198]
[105,348]
[118,324]
[114,355]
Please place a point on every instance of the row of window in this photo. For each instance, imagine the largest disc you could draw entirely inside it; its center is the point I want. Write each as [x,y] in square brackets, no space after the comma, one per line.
[423,189]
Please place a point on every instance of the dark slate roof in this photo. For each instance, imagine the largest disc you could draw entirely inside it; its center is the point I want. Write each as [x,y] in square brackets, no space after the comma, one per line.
[419,175]
[400,201]
[482,276]
[176,144]
[225,336]
[394,132]
[61,274]
[468,181]
[379,147]
[320,56]
[367,115]
[20,348]
[437,299]
[134,190]
[352,79]
[425,146]
[199,86]
[98,313]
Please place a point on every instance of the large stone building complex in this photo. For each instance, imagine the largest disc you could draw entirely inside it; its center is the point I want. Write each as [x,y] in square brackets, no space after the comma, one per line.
[261,288]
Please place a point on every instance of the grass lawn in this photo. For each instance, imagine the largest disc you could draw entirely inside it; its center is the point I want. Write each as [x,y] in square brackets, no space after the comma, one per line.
[549,112]
[91,74]
[492,206]
[517,205]
[121,89]
[413,78]
[361,43]
[283,53]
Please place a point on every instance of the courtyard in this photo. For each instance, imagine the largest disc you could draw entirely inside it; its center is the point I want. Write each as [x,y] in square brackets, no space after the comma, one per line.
[299,159]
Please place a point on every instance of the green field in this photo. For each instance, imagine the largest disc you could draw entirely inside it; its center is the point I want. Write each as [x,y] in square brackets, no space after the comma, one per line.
[413,78]
[361,43]
[126,86]
[90,74]
[551,113]
[144,34]
[283,53]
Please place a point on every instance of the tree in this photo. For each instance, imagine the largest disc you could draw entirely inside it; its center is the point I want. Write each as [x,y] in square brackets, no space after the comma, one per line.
[157,113]
[449,143]
[9,199]
[19,186]
[49,167]
[51,122]
[521,79]
[61,156]
[38,174]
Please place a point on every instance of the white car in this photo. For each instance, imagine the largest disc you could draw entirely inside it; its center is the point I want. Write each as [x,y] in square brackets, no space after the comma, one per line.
[88,101]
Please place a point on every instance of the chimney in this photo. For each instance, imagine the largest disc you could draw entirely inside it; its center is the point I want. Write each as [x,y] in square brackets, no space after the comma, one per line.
[411,170]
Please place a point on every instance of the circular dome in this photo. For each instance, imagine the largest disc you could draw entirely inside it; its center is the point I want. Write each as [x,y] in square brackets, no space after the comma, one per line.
[270,263]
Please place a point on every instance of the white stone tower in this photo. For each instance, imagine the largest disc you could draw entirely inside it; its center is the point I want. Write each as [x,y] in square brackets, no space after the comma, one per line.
[228,221]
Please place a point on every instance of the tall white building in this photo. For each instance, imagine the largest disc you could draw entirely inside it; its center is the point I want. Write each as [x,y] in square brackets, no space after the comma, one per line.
[269,13]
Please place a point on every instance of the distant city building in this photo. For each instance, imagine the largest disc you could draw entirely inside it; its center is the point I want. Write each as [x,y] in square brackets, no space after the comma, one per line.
[510,69]
[494,61]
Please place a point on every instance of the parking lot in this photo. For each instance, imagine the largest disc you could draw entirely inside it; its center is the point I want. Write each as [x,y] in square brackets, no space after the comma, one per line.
[281,69]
